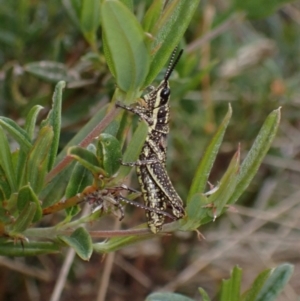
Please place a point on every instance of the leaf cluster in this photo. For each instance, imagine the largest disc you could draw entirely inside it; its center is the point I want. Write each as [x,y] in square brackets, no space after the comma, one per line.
[36,182]
[266,287]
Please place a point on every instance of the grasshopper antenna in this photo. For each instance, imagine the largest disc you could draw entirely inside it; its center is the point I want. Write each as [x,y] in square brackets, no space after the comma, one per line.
[173,63]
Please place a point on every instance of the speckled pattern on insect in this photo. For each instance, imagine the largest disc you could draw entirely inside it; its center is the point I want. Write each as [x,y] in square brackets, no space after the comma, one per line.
[157,189]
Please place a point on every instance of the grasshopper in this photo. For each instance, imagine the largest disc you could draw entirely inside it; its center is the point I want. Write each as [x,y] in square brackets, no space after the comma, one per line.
[157,189]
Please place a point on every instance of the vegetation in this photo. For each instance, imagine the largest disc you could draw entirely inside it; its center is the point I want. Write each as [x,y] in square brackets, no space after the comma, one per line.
[58,157]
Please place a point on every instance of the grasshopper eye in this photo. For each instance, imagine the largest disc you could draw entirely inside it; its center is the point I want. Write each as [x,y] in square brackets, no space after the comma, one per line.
[164,94]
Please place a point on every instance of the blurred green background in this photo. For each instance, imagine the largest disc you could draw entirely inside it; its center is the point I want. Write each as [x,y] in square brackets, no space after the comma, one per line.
[241,52]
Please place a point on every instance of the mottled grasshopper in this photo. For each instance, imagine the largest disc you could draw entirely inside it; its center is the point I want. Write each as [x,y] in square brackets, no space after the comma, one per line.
[157,189]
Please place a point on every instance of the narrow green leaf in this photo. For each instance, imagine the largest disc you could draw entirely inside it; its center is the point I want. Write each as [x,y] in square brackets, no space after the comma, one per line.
[16,132]
[167,297]
[133,150]
[37,162]
[136,143]
[257,285]
[80,178]
[11,205]
[168,32]
[4,185]
[54,120]
[24,220]
[25,196]
[20,169]
[31,120]
[227,186]
[195,213]
[152,15]
[6,161]
[276,282]
[49,71]
[108,56]
[204,295]
[256,154]
[230,289]
[208,159]
[55,190]
[109,153]
[90,19]
[29,128]
[81,242]
[124,47]
[117,243]
[28,248]
[86,158]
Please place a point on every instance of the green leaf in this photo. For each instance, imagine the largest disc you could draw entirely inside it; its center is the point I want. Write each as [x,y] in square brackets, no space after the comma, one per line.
[227,186]
[231,288]
[124,47]
[204,294]
[276,282]
[4,186]
[28,248]
[152,15]
[167,297]
[16,132]
[117,243]
[109,153]
[80,178]
[256,154]
[54,120]
[256,287]
[195,213]
[37,162]
[55,189]
[168,31]
[133,150]
[31,120]
[6,161]
[208,159]
[29,128]
[86,158]
[81,242]
[90,19]
[49,71]
[25,196]
[24,220]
